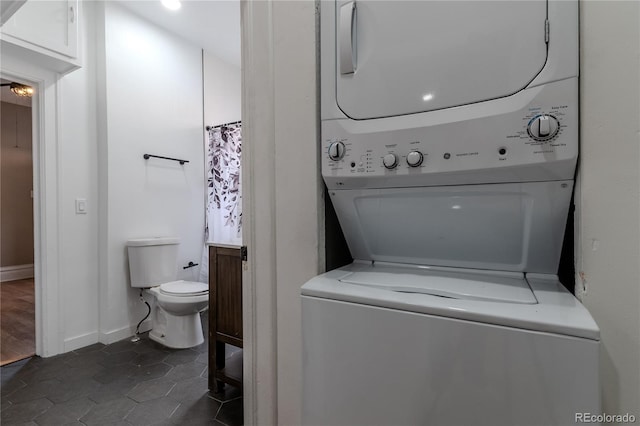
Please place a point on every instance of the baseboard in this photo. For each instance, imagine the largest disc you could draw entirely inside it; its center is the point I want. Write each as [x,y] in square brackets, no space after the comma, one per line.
[17,272]
[122,333]
[81,341]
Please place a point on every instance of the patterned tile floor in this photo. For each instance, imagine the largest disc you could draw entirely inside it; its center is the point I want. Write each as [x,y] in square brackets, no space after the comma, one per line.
[124,383]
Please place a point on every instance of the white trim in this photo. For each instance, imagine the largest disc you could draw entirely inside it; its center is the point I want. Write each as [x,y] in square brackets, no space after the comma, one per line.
[283,221]
[112,336]
[17,272]
[258,180]
[81,341]
[103,189]
[49,340]
[298,189]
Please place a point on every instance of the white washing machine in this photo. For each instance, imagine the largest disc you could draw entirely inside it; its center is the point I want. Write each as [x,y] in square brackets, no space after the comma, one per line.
[449,147]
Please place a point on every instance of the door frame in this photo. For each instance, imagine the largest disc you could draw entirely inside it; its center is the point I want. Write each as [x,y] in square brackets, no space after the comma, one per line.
[258,304]
[283,201]
[45,132]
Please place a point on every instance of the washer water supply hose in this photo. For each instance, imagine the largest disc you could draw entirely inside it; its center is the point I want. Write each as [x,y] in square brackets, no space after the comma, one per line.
[136,338]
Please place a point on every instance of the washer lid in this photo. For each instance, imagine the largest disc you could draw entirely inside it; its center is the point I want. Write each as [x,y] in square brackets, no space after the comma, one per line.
[184,288]
[405,57]
[515,227]
[493,286]
[556,311]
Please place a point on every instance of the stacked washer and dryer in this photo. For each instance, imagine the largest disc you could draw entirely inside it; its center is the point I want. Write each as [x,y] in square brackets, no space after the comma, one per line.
[449,148]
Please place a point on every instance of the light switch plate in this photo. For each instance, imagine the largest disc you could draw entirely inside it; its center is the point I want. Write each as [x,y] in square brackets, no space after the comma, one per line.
[81,206]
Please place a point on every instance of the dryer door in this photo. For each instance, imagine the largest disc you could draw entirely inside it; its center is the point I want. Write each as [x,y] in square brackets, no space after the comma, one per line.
[404,57]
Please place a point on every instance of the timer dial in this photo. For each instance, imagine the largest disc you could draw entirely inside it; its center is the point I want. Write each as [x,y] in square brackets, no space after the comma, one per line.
[543,127]
[336,151]
[390,161]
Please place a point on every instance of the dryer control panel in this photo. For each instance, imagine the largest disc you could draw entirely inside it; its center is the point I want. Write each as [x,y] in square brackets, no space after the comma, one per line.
[530,136]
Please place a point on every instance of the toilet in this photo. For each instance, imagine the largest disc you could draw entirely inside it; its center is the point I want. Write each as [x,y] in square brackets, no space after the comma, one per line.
[176,315]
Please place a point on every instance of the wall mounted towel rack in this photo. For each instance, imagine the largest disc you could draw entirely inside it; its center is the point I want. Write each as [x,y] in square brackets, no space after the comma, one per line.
[147,156]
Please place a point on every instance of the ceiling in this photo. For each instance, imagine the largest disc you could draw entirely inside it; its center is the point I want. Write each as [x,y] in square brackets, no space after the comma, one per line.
[213,25]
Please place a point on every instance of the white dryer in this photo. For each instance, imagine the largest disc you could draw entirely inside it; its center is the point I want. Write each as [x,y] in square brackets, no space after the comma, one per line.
[449,147]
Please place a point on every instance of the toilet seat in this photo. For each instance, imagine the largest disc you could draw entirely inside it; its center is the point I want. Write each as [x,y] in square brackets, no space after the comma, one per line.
[183,288]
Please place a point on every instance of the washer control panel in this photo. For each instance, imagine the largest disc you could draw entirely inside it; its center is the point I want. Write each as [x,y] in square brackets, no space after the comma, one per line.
[537,140]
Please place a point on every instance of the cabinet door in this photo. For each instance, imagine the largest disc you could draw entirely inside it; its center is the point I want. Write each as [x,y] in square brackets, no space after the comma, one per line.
[226,275]
[51,25]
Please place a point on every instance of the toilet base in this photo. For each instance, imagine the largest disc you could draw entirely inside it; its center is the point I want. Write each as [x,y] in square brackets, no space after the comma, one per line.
[176,332]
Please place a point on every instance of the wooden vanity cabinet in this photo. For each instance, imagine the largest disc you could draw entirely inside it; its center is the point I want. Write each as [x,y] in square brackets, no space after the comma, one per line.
[225,315]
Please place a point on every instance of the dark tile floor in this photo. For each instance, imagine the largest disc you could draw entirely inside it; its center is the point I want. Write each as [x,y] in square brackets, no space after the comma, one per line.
[124,383]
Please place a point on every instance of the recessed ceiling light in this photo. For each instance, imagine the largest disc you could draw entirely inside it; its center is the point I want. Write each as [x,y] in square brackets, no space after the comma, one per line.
[427,97]
[172,4]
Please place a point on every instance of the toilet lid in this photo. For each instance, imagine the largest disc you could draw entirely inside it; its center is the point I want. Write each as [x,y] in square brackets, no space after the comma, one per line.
[184,288]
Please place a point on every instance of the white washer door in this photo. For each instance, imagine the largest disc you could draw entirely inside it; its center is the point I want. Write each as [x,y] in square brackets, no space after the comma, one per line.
[403,57]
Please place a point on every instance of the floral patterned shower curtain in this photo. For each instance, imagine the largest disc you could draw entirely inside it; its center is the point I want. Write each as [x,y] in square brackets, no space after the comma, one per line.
[223,222]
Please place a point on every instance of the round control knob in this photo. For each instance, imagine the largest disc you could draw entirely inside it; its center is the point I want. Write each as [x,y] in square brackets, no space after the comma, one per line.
[336,151]
[543,127]
[390,161]
[414,158]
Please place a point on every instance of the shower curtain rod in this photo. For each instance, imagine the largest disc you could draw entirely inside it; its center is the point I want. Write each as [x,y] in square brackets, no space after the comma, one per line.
[223,125]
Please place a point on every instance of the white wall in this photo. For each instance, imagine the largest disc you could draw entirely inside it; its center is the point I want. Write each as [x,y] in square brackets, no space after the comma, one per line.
[152,102]
[608,214]
[141,93]
[222,91]
[64,162]
[78,163]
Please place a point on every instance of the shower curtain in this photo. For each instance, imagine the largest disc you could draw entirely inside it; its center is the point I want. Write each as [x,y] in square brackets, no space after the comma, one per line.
[223,220]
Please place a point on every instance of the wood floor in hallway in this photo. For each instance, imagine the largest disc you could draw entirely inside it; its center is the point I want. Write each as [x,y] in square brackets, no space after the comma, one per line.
[17,320]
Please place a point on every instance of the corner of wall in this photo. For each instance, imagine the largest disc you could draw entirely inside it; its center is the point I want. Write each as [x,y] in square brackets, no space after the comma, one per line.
[103,193]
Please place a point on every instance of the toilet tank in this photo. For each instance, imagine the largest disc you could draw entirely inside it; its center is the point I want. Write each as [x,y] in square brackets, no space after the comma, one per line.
[152,261]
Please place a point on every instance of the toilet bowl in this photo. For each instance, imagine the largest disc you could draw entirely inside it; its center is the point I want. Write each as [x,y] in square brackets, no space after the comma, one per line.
[178,303]
[176,322]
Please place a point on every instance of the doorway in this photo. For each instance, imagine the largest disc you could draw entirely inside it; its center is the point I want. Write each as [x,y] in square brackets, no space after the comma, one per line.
[17,282]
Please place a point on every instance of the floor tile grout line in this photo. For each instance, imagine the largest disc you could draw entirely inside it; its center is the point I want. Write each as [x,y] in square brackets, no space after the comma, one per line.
[218,411]
[175,409]
[129,412]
